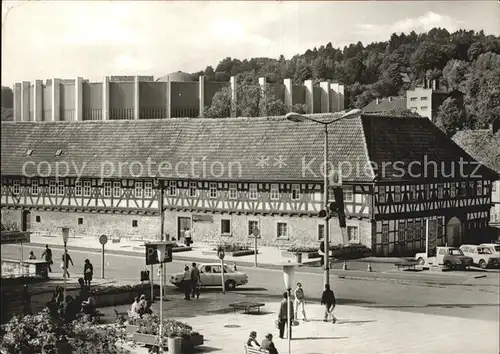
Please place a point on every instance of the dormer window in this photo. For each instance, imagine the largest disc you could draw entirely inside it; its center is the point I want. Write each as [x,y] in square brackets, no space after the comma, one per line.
[58,153]
[29,152]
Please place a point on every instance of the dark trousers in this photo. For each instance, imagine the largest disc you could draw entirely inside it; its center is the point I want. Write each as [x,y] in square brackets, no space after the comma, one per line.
[187,289]
[282,324]
[195,289]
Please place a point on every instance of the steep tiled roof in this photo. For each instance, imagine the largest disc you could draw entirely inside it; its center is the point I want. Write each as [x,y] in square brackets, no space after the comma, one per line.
[263,149]
[482,144]
[405,140]
[384,105]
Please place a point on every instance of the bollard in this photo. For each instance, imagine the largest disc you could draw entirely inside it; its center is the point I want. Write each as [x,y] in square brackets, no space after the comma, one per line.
[174,345]
[344,266]
[369,269]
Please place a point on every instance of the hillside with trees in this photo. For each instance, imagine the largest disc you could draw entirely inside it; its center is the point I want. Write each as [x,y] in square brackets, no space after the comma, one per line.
[465,60]
[7,103]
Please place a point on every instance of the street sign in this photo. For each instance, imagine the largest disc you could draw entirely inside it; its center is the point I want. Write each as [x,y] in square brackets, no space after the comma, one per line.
[103,239]
[10,237]
[256,232]
[220,253]
[152,253]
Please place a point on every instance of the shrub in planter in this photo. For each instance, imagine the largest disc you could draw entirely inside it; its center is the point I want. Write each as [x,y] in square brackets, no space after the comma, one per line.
[350,251]
[41,333]
[302,249]
[231,247]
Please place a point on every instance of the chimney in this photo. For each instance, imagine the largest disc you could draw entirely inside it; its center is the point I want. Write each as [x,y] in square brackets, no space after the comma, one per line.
[377,101]
[435,84]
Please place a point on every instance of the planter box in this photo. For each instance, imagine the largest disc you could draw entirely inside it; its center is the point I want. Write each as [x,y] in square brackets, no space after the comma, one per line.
[243,253]
[311,255]
[116,298]
[287,254]
[152,339]
[181,249]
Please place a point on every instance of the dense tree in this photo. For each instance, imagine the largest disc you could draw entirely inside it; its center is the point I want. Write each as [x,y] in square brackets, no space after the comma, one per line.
[450,118]
[454,74]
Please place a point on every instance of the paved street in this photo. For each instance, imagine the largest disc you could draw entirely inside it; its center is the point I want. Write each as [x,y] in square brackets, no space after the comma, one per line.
[469,302]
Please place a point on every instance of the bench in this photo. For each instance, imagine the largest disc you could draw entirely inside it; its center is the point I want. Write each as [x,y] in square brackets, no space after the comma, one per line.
[406,265]
[247,306]
[252,350]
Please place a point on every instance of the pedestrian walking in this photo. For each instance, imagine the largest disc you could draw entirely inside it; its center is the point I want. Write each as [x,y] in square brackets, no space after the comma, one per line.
[195,281]
[47,254]
[186,283]
[283,316]
[31,256]
[88,272]
[300,301]
[328,299]
[66,258]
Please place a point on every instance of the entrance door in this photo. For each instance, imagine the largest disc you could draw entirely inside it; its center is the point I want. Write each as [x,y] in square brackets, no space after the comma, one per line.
[182,224]
[454,232]
[25,220]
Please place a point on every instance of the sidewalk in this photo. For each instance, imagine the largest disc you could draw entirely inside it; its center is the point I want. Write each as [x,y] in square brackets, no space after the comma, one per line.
[383,269]
[358,330]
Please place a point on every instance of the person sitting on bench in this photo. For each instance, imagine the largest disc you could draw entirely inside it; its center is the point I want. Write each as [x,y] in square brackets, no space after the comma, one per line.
[252,340]
[88,306]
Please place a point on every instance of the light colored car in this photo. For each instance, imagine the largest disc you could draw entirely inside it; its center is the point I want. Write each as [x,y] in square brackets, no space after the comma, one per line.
[482,256]
[450,257]
[210,274]
[493,247]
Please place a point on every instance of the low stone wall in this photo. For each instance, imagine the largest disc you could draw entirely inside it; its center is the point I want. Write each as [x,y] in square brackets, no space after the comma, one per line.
[13,269]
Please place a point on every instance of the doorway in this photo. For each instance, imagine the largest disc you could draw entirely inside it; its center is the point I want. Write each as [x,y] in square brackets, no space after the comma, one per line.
[182,223]
[26,220]
[454,232]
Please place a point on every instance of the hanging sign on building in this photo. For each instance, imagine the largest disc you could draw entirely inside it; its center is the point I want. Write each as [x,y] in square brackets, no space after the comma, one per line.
[203,218]
[11,237]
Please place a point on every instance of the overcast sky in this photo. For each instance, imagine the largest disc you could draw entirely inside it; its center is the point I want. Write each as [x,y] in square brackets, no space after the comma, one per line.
[91,39]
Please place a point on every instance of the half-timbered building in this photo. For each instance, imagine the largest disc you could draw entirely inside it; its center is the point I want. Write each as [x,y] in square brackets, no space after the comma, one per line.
[221,178]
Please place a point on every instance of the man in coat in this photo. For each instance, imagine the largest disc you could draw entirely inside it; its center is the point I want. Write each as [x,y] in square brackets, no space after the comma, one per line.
[283,316]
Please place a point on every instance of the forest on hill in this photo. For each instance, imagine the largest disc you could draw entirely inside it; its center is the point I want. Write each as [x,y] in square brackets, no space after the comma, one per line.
[465,60]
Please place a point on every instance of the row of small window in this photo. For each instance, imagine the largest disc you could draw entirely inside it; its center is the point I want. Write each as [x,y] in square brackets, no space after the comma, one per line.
[39,219]
[460,189]
[422,108]
[115,189]
[352,233]
[424,98]
[411,230]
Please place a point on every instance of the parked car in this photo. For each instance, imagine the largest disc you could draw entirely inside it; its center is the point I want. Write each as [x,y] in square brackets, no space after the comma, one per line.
[210,274]
[493,247]
[481,255]
[450,257]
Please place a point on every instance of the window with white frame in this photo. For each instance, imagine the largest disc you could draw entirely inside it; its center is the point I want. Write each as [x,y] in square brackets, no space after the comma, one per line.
[225,227]
[78,189]
[148,189]
[252,191]
[107,189]
[440,190]
[193,191]
[252,225]
[381,194]
[402,231]
[34,186]
[275,191]
[295,191]
[424,98]
[86,188]
[117,189]
[453,190]
[348,195]
[479,187]
[413,192]
[282,230]
[138,189]
[16,187]
[397,194]
[172,188]
[385,234]
[60,188]
[233,190]
[410,230]
[331,194]
[321,231]
[52,187]
[353,234]
[213,190]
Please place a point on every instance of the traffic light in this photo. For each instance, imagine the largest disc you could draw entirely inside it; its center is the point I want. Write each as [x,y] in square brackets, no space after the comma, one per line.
[322,213]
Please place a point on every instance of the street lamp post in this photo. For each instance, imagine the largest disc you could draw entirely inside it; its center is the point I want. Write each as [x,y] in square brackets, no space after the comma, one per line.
[65,237]
[288,274]
[161,250]
[295,117]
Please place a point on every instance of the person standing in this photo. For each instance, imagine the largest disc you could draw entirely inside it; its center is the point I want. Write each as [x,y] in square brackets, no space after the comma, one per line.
[186,283]
[48,257]
[187,237]
[328,299]
[88,272]
[195,281]
[66,258]
[283,316]
[300,301]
